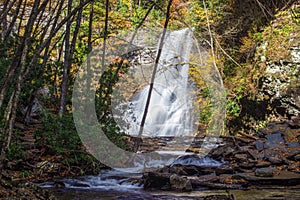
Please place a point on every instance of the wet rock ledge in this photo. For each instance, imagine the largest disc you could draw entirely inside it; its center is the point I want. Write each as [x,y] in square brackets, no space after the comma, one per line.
[271,157]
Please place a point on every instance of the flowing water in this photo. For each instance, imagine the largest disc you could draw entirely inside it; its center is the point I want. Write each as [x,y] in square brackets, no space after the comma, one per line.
[170,110]
[113,184]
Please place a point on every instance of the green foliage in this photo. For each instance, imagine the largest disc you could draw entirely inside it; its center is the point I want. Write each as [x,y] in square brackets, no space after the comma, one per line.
[60,133]
[16,152]
[25,174]
[59,136]
[103,101]
[233,107]
[258,37]
[259,124]
[229,68]
[205,114]
[280,36]
[202,94]
[197,13]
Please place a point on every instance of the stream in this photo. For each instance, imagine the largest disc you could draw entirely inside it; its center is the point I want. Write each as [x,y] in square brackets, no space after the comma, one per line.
[112,184]
[121,184]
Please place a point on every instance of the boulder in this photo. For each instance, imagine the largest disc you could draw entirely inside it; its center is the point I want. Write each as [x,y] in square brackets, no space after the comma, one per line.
[156,180]
[263,164]
[180,183]
[221,152]
[290,135]
[224,170]
[202,180]
[264,172]
[276,160]
[292,152]
[259,145]
[274,140]
[247,165]
[294,166]
[228,179]
[185,170]
[275,156]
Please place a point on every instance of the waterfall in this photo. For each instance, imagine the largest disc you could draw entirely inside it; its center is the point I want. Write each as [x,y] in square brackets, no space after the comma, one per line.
[170,108]
[172,120]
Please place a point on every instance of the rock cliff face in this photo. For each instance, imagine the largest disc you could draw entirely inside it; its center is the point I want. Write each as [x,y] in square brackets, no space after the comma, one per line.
[278,57]
[280,84]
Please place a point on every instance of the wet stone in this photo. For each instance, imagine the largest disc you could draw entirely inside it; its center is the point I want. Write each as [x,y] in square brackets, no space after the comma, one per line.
[82,185]
[155,180]
[247,165]
[180,183]
[263,164]
[224,170]
[185,170]
[293,144]
[221,152]
[264,172]
[276,160]
[290,135]
[274,141]
[297,157]
[241,157]
[259,145]
[283,178]
[199,180]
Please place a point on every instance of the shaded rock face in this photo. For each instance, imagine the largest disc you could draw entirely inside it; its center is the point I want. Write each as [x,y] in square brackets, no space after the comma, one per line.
[280,85]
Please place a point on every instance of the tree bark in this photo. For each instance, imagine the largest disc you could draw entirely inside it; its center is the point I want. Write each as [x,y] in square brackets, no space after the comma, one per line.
[69,51]
[12,24]
[105,33]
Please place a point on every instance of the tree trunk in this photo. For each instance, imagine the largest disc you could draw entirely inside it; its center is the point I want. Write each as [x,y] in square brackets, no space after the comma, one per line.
[69,51]
[12,24]
[105,32]
[65,79]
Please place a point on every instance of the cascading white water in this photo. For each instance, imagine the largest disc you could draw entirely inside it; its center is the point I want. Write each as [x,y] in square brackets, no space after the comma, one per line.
[170,108]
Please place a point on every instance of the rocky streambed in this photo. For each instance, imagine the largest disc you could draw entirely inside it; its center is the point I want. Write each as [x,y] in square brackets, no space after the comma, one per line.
[270,158]
[264,165]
